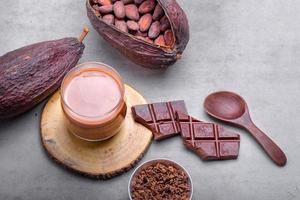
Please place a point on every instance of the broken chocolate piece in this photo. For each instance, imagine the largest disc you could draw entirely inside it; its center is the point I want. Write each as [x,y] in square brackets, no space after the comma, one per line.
[159,117]
[210,141]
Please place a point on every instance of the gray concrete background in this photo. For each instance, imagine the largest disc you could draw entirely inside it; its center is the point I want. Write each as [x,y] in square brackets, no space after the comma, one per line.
[250,47]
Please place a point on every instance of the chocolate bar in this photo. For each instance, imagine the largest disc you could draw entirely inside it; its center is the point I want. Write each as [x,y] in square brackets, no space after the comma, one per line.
[210,141]
[159,117]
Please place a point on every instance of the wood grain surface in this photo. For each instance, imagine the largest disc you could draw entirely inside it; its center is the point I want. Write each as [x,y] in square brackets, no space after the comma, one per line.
[95,159]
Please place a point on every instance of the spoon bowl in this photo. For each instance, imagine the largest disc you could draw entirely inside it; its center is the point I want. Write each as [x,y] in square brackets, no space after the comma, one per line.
[232,108]
[225,105]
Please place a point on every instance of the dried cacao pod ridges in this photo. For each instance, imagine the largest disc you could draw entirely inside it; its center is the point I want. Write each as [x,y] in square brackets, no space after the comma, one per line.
[30,74]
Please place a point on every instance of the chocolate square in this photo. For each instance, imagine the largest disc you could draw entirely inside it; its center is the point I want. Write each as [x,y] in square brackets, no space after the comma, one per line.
[159,117]
[210,141]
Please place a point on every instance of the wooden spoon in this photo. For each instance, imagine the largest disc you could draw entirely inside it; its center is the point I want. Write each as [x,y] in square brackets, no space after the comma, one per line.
[230,107]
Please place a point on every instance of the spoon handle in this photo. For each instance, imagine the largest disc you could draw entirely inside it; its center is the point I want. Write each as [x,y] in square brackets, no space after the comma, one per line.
[273,151]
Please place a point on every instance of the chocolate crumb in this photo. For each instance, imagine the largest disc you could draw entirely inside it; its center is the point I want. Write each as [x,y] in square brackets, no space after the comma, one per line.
[161,180]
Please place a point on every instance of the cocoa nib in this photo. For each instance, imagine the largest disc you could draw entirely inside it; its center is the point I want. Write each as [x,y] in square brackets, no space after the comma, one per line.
[160,180]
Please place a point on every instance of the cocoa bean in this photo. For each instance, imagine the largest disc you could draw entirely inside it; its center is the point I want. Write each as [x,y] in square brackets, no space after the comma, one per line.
[146,39]
[106,9]
[132,12]
[160,40]
[127,1]
[109,19]
[121,25]
[132,25]
[158,12]
[164,23]
[169,37]
[147,6]
[145,22]
[119,9]
[104,2]
[138,1]
[154,30]
[96,7]
[139,33]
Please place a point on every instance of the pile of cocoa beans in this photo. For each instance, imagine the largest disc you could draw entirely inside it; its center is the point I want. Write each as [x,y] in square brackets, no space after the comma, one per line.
[144,19]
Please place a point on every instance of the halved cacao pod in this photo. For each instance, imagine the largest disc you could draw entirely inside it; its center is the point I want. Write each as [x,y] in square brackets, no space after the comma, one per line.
[30,74]
[140,49]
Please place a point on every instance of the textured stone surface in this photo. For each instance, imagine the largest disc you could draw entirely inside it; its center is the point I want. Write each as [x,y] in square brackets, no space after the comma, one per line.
[250,47]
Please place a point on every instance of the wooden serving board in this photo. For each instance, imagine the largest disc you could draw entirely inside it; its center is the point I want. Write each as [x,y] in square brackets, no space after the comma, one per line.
[95,159]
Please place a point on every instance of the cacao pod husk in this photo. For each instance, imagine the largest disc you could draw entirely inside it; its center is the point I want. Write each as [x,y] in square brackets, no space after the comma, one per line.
[30,74]
[140,50]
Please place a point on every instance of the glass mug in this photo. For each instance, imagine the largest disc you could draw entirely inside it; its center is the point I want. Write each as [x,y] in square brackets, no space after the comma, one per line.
[93,102]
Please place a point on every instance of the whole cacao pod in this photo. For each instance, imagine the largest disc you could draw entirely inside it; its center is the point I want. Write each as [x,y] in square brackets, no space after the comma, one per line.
[30,74]
[137,45]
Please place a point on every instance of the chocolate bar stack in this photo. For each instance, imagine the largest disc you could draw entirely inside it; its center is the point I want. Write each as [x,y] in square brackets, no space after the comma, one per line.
[208,140]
